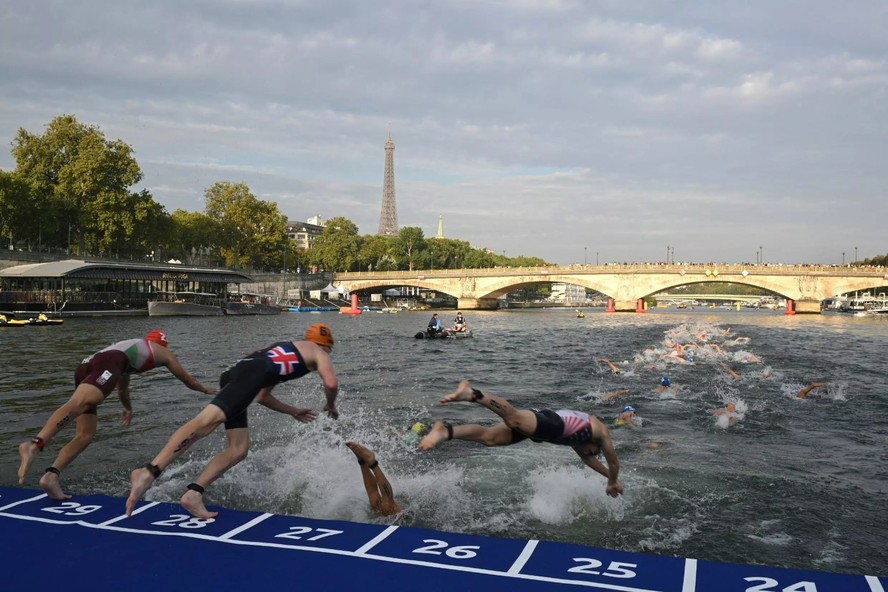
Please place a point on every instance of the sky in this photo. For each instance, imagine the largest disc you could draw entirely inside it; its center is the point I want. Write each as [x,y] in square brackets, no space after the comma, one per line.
[574,131]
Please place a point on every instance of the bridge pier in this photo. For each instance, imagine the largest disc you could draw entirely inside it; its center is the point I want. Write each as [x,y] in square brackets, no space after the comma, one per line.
[476,303]
[807,306]
[626,306]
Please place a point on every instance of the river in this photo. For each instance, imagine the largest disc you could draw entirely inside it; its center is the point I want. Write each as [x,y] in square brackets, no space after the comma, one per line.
[792,482]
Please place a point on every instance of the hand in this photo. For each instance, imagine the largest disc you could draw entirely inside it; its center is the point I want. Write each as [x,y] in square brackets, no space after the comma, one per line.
[330,408]
[304,415]
[126,417]
[614,489]
[211,391]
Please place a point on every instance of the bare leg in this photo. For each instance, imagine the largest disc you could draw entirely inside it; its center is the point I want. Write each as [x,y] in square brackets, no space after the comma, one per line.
[366,458]
[235,452]
[498,435]
[85,396]
[86,431]
[388,506]
[203,424]
[522,420]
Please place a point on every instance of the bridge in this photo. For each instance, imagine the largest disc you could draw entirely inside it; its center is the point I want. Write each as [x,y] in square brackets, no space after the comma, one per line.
[803,286]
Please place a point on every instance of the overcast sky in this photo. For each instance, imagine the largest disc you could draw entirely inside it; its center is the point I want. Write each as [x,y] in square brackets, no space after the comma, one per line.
[568,130]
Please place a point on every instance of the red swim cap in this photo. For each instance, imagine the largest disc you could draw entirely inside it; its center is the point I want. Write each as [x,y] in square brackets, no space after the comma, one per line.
[157,336]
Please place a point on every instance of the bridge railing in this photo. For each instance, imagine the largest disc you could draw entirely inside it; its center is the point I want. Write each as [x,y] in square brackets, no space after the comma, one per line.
[714,270]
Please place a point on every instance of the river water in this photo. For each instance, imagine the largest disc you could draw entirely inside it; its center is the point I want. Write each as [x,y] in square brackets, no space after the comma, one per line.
[791,482]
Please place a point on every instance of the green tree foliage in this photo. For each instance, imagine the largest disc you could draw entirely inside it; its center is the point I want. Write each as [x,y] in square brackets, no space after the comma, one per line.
[377,253]
[338,246]
[193,237]
[17,210]
[252,233]
[409,245]
[82,179]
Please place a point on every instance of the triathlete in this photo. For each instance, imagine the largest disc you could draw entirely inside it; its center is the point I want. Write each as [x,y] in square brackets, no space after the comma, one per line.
[94,379]
[251,378]
[585,434]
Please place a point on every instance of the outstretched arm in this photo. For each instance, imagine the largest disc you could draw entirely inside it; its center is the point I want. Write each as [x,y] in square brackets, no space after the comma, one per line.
[331,385]
[172,362]
[804,392]
[123,393]
[268,400]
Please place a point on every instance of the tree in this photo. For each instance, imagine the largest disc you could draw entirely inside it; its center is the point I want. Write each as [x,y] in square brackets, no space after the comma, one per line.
[409,244]
[74,169]
[377,250]
[193,236]
[338,247]
[251,232]
[16,208]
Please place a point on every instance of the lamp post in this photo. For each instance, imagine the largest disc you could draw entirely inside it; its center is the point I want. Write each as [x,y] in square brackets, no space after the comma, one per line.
[667,254]
[596,257]
[855,255]
[843,258]
[585,260]
[672,256]
[761,255]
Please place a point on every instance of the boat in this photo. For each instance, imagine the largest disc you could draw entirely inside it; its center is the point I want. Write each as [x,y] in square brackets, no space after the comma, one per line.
[192,304]
[9,322]
[580,314]
[445,334]
[42,319]
[249,303]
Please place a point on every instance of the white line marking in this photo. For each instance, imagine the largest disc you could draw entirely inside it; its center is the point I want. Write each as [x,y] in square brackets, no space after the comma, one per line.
[689,584]
[24,501]
[245,526]
[124,516]
[874,584]
[519,564]
[376,540]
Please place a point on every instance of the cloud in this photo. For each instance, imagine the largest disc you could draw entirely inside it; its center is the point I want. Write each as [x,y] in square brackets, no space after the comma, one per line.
[536,128]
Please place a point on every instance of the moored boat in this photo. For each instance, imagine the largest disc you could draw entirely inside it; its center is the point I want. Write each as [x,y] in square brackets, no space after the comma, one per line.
[248,303]
[193,304]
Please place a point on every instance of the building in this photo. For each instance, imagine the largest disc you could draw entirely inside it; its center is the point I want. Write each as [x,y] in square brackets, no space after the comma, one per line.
[304,233]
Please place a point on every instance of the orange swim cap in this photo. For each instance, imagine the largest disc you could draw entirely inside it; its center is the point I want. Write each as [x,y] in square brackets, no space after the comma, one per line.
[157,336]
[320,334]
[730,407]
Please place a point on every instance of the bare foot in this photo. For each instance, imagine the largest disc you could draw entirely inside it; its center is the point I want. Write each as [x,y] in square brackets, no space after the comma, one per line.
[51,484]
[193,502]
[363,453]
[434,437]
[27,450]
[463,392]
[140,481]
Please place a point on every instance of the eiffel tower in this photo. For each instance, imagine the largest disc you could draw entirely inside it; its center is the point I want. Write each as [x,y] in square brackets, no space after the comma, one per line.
[388,217]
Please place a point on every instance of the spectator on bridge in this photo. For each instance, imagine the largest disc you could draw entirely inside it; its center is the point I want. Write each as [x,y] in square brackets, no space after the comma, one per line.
[586,434]
[252,377]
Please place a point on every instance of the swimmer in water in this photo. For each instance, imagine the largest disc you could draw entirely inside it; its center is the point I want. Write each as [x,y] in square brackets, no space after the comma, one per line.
[379,491]
[587,435]
[803,394]
[665,385]
[730,372]
[626,417]
[613,367]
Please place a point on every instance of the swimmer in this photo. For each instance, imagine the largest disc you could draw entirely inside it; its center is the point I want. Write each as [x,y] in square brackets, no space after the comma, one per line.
[584,433]
[803,394]
[730,372]
[379,491]
[728,410]
[613,367]
[614,394]
[665,385]
[626,417]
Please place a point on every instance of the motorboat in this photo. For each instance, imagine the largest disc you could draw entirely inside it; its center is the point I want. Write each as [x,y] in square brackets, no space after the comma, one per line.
[194,304]
[249,303]
[445,334]
[42,319]
[8,322]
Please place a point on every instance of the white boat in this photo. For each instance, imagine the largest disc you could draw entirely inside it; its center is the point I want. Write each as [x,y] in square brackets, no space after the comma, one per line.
[249,303]
[192,304]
